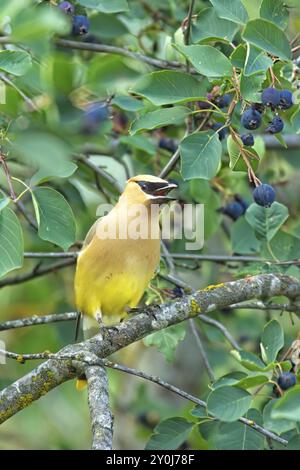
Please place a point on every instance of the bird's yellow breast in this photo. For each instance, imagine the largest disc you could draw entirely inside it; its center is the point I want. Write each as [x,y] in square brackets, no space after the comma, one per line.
[113,274]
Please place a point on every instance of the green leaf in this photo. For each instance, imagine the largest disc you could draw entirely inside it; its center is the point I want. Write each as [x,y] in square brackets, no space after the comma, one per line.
[207,60]
[272,341]
[266,221]
[209,25]
[237,162]
[167,340]
[252,381]
[238,436]
[251,86]
[139,142]
[256,61]
[111,6]
[288,406]
[284,246]
[4,202]
[127,103]
[249,360]
[167,87]
[279,426]
[15,62]
[243,238]
[11,242]
[160,118]
[275,11]
[107,26]
[229,379]
[169,434]
[294,443]
[268,37]
[238,56]
[233,10]
[228,403]
[200,155]
[55,217]
[199,412]
[62,170]
[46,152]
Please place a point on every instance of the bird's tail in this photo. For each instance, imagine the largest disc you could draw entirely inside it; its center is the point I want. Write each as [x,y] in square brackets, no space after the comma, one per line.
[90,328]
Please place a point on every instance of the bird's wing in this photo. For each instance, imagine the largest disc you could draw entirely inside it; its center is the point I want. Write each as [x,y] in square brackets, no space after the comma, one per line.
[90,235]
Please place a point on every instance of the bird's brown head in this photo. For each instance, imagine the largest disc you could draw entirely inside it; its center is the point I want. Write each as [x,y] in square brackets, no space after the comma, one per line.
[148,189]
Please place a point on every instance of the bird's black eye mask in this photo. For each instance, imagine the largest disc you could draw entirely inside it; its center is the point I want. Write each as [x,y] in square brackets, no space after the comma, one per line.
[155,189]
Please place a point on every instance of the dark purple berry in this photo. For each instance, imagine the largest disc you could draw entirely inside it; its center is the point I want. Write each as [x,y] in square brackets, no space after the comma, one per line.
[270,97]
[247,140]
[251,119]
[94,115]
[204,105]
[286,380]
[264,195]
[67,8]
[234,210]
[223,101]
[275,126]
[241,201]
[81,25]
[217,126]
[167,144]
[286,99]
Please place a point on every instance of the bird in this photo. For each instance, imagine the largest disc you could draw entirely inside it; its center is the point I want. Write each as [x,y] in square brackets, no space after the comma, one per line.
[120,255]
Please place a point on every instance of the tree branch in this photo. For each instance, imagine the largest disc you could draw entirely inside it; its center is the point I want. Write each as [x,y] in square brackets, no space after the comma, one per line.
[98,399]
[53,372]
[37,320]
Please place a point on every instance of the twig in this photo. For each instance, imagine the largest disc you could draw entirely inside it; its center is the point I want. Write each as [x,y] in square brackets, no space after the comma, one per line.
[31,105]
[37,320]
[264,306]
[8,177]
[104,48]
[38,271]
[222,328]
[98,399]
[204,357]
[170,165]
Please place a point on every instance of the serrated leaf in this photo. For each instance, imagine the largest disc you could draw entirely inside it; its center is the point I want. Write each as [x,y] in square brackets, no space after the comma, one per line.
[233,10]
[228,403]
[266,221]
[272,340]
[208,25]
[160,118]
[169,434]
[167,340]
[15,62]
[167,87]
[207,60]
[251,86]
[268,37]
[11,242]
[200,155]
[55,217]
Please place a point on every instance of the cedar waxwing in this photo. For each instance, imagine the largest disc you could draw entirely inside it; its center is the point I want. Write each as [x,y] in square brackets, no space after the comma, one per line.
[116,264]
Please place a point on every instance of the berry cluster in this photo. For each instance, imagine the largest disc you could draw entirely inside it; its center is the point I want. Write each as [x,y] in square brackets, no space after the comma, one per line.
[80,23]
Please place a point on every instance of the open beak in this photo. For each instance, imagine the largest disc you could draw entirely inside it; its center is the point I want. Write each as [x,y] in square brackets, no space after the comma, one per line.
[159,196]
